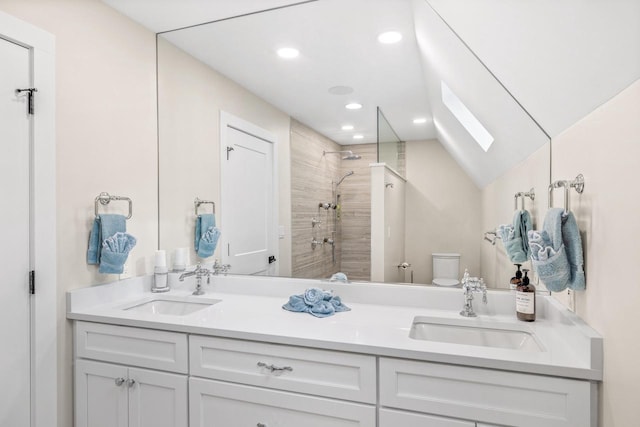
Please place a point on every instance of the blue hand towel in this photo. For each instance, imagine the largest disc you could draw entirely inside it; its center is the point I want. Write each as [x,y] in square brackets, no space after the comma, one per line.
[115,250]
[105,225]
[557,252]
[573,246]
[316,302]
[206,235]
[514,237]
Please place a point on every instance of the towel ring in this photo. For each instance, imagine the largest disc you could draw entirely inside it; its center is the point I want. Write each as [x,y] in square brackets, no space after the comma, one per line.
[197,202]
[577,184]
[531,194]
[104,199]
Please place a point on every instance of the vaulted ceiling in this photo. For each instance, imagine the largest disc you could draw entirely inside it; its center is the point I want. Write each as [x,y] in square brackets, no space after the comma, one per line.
[527,69]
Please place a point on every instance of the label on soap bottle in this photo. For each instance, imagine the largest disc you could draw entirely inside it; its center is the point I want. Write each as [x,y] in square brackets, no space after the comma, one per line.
[525,302]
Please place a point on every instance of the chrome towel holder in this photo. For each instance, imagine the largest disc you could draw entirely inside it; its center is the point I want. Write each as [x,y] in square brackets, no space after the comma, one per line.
[104,199]
[577,184]
[197,202]
[521,194]
[491,236]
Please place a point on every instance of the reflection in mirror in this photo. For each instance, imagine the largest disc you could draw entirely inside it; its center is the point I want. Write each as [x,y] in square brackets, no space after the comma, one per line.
[453,190]
[390,147]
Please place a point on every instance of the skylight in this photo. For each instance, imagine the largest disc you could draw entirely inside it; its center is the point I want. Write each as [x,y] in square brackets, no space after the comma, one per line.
[466,118]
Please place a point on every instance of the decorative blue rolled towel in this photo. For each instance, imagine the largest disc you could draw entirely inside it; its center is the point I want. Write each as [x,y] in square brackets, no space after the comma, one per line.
[115,250]
[206,235]
[316,302]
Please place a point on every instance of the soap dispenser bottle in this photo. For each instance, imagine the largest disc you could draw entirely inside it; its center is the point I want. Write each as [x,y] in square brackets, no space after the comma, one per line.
[526,299]
[516,280]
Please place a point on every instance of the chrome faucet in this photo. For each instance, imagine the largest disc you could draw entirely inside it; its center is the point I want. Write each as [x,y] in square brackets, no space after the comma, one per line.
[469,286]
[220,268]
[199,272]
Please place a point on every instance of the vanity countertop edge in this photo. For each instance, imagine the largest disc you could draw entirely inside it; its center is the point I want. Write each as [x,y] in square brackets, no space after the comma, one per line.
[378,323]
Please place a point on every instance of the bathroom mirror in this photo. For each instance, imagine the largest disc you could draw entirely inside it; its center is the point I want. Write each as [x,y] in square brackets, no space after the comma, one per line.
[450,185]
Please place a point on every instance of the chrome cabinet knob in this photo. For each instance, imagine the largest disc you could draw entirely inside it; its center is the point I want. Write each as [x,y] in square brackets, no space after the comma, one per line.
[120,381]
[261,425]
[131,383]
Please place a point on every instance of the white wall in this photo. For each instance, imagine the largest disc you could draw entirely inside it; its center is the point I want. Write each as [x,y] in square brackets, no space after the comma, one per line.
[106,141]
[191,96]
[605,148]
[443,211]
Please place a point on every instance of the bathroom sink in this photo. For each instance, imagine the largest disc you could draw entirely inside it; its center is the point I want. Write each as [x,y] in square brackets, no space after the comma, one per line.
[170,307]
[485,334]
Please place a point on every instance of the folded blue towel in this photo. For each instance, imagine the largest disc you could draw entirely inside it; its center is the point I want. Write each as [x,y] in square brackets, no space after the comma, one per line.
[115,250]
[556,254]
[206,235]
[316,302]
[339,277]
[104,226]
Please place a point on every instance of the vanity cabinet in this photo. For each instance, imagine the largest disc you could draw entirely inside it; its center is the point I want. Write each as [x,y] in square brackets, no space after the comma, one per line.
[113,390]
[245,383]
[486,395]
[133,377]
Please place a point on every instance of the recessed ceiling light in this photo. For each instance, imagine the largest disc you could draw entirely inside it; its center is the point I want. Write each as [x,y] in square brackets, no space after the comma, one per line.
[288,52]
[353,106]
[358,136]
[419,121]
[347,127]
[340,90]
[389,37]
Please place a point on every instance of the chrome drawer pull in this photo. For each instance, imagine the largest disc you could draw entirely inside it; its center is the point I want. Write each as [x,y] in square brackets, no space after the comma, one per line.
[273,368]
[131,383]
[261,425]
[120,381]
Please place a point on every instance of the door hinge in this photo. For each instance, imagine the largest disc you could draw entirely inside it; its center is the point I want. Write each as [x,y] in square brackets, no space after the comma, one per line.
[30,101]
[32,282]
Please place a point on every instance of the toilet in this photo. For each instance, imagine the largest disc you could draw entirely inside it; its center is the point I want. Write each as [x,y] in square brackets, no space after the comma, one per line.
[445,269]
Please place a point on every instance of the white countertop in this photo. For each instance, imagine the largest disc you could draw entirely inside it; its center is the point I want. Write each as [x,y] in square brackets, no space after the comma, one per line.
[379,321]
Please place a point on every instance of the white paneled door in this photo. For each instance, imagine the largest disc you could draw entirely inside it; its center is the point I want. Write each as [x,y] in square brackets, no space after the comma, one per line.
[249,235]
[15,360]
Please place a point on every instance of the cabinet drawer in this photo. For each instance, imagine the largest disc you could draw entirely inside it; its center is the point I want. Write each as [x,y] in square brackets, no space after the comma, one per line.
[321,372]
[148,348]
[218,404]
[392,418]
[504,398]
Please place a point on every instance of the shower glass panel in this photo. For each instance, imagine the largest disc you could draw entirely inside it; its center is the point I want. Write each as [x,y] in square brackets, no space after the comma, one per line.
[390,148]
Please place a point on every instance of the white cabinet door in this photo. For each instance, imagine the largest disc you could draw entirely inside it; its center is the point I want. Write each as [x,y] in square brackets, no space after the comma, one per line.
[101,395]
[392,418]
[219,404]
[110,395]
[157,399]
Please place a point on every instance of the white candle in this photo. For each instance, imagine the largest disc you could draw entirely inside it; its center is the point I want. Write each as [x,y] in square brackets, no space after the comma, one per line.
[161,258]
[180,259]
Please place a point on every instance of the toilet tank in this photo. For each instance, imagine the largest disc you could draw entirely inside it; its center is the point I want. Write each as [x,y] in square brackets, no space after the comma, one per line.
[446,265]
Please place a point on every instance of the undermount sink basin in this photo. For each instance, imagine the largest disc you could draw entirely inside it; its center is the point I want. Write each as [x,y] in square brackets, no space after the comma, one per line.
[485,334]
[170,307]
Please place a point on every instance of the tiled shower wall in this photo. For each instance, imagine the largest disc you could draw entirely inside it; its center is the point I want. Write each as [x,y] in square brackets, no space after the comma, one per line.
[312,178]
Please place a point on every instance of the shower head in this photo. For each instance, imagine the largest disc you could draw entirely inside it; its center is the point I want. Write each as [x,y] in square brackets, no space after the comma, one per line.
[343,177]
[350,154]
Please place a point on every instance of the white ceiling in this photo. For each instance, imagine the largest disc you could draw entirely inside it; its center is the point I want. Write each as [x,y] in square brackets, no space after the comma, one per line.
[560,59]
